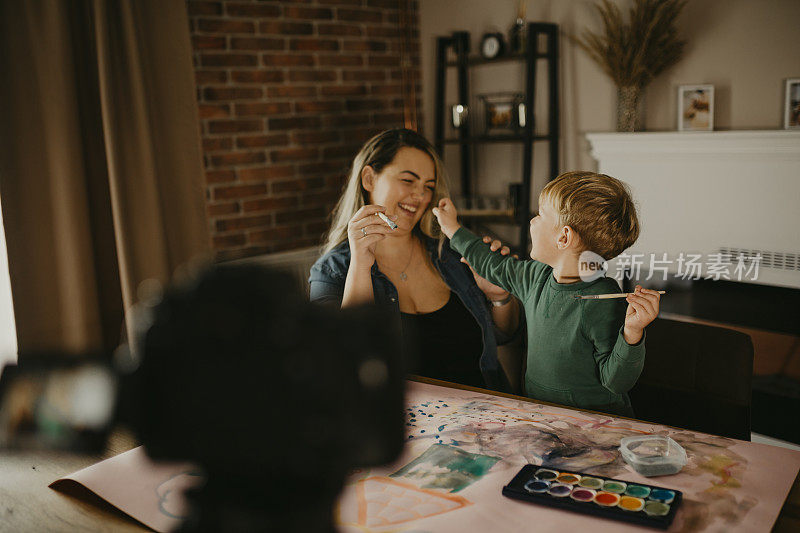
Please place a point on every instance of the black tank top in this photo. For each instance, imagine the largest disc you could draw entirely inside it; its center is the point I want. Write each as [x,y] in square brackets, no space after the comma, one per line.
[445,344]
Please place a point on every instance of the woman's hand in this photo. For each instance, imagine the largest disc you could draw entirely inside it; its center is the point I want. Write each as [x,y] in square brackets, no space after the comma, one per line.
[447,217]
[492,291]
[643,306]
[364,231]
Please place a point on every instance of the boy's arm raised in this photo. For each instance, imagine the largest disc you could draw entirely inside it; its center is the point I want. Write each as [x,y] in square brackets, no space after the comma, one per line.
[506,272]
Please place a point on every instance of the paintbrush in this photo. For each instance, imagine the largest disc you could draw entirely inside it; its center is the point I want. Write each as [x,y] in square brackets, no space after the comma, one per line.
[387,220]
[607,296]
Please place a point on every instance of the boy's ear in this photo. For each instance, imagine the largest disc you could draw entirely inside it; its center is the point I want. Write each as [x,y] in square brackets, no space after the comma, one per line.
[567,238]
[368,178]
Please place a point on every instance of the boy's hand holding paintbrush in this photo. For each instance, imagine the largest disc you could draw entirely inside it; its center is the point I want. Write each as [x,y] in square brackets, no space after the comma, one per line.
[643,305]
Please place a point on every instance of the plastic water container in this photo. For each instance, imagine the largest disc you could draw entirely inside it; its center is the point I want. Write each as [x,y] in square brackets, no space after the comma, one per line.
[653,455]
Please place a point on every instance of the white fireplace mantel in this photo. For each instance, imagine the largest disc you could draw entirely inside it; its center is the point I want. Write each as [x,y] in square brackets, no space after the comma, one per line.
[741,143]
[706,192]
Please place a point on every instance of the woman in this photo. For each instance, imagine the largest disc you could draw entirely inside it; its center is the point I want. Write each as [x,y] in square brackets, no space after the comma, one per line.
[458,317]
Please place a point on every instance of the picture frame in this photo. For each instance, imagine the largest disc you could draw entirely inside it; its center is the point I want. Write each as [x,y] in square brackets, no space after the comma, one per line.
[696,108]
[791,105]
[503,112]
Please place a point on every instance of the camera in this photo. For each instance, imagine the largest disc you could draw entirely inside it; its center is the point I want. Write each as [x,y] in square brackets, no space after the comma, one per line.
[276,399]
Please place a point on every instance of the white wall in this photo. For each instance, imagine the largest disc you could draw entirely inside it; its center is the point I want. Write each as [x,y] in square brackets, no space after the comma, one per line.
[745,48]
[8,330]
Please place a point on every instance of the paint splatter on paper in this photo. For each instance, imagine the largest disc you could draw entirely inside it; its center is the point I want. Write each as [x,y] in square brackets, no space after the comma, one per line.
[445,467]
[521,432]
[171,499]
[728,485]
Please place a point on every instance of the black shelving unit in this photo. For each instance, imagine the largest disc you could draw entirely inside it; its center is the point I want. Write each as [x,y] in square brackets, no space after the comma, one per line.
[459,43]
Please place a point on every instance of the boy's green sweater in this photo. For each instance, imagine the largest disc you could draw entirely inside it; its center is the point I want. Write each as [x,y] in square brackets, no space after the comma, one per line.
[577,355]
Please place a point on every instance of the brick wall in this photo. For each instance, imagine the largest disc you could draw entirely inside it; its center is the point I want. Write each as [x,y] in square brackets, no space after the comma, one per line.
[287,92]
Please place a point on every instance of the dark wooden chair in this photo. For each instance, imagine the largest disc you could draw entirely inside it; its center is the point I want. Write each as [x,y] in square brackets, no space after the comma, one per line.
[696,377]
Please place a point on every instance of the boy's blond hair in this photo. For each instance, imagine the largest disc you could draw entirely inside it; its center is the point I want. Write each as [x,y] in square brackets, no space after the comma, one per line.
[598,207]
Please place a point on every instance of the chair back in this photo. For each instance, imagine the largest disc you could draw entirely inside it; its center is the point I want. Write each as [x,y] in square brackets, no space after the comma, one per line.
[696,377]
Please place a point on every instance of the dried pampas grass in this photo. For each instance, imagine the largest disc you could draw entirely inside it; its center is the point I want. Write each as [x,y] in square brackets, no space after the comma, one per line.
[633,53]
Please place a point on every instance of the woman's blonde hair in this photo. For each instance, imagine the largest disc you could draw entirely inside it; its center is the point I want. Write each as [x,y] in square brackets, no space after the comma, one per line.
[378,152]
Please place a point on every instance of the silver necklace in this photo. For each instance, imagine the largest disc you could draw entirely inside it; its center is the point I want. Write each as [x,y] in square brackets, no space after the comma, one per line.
[403,275]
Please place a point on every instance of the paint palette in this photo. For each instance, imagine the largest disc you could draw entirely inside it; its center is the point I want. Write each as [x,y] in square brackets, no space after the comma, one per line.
[647,505]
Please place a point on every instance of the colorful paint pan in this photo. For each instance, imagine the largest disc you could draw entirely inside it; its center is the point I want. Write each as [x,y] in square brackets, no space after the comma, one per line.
[637,491]
[629,503]
[617,487]
[582,495]
[568,479]
[662,495]
[637,503]
[590,482]
[558,490]
[606,499]
[656,509]
[545,474]
[537,485]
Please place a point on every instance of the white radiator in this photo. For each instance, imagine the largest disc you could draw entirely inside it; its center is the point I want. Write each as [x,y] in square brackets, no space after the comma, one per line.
[722,195]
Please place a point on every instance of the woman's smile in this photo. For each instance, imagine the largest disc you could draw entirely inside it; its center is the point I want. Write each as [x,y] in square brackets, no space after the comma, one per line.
[408,209]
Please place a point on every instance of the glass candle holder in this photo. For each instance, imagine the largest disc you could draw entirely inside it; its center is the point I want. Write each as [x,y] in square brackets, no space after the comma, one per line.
[459,115]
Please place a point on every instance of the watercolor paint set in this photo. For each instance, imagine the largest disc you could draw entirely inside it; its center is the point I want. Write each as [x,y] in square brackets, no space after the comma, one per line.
[642,504]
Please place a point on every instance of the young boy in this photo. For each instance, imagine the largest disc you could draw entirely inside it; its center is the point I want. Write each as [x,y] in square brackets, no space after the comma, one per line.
[582,353]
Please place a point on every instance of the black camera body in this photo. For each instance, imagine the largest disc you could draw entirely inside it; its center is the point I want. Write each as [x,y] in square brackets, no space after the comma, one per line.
[277,399]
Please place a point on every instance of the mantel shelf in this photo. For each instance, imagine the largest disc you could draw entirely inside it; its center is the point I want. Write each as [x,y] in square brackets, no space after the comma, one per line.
[702,143]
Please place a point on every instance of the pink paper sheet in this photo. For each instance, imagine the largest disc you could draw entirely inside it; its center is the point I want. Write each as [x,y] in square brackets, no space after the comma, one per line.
[150,492]
[728,485]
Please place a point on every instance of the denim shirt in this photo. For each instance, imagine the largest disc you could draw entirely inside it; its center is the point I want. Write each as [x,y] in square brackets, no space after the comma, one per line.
[327,279]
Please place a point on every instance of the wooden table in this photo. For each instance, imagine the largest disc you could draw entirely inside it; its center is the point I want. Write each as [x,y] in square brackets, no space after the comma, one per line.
[27,504]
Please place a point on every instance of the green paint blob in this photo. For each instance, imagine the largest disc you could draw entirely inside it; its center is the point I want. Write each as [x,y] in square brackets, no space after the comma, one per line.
[591,483]
[656,508]
[614,486]
[637,491]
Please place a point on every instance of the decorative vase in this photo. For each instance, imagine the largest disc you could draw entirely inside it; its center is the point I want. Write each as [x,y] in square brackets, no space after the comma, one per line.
[629,115]
[516,37]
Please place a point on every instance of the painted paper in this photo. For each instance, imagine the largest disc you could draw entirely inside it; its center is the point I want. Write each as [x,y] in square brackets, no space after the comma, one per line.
[445,467]
[728,485]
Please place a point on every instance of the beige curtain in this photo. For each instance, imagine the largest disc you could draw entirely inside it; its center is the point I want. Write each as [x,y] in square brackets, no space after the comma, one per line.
[101,176]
